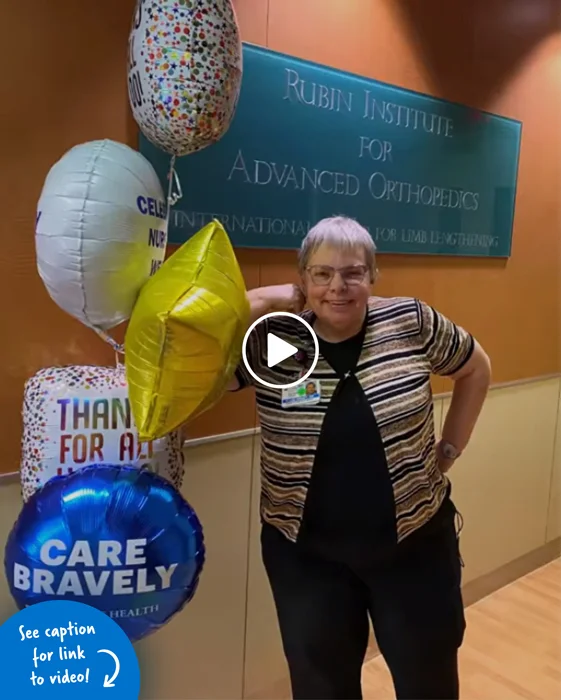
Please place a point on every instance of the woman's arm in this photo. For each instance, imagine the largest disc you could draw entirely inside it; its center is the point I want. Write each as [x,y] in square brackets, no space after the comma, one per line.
[278,297]
[471,384]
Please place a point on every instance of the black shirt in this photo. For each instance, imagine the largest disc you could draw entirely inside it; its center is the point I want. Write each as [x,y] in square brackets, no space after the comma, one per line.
[350,509]
[350,500]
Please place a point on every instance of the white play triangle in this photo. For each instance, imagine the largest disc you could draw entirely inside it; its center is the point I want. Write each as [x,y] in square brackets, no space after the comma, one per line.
[278,350]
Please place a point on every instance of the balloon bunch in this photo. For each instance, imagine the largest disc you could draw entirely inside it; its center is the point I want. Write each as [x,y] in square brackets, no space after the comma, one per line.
[103,520]
[184,338]
[101,233]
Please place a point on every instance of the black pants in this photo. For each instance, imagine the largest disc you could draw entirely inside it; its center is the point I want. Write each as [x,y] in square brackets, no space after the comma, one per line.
[413,599]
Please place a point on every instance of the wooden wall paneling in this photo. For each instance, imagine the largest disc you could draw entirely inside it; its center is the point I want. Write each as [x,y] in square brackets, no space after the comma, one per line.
[253,20]
[507,64]
[58,93]
[412,46]
[361,37]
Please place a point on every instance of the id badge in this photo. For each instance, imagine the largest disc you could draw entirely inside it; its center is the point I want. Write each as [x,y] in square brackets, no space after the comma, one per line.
[308,393]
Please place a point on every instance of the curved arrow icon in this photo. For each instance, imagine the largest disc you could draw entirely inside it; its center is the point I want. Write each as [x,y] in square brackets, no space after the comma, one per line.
[108,682]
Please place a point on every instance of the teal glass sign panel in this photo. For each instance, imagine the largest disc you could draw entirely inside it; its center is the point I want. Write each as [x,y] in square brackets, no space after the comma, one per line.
[425,176]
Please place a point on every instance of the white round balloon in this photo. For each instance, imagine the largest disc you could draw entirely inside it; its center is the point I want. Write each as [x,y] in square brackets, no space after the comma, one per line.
[81,415]
[101,231]
[185,71]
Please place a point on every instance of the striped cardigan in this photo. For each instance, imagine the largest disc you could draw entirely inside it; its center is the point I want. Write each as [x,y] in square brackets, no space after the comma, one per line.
[406,341]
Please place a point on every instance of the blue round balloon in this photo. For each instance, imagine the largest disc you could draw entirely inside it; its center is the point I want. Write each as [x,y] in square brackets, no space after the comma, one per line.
[120,539]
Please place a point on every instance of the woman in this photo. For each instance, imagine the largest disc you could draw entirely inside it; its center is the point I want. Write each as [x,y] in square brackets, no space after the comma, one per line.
[356,510]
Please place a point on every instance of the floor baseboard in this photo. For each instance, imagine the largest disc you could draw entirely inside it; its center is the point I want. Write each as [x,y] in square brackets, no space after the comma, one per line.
[489,583]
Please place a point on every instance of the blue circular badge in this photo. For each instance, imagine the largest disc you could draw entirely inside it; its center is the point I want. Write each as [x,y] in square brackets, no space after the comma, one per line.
[63,649]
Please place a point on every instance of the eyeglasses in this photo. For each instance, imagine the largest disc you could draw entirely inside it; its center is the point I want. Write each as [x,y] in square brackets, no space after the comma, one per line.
[322,275]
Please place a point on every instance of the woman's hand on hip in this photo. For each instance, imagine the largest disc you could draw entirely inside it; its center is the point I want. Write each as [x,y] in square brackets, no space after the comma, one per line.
[444,463]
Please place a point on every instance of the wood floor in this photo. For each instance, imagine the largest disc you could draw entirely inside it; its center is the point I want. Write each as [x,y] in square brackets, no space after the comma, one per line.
[512,649]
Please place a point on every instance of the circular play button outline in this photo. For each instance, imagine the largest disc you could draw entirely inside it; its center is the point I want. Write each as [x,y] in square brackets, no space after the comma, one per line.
[300,379]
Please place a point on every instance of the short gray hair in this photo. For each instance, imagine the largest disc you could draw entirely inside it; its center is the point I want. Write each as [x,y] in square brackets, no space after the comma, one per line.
[340,232]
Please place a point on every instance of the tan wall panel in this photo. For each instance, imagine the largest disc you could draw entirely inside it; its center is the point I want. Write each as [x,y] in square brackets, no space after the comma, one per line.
[501,484]
[223,644]
[438,416]
[10,507]
[264,660]
[554,513]
[199,654]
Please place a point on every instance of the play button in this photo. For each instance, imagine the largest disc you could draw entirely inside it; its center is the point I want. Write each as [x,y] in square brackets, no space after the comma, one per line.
[280,350]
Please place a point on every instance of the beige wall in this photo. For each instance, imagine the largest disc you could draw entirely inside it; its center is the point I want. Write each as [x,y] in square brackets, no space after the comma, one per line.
[226,644]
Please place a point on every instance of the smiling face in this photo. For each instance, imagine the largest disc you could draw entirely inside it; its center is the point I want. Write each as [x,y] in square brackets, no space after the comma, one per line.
[337,286]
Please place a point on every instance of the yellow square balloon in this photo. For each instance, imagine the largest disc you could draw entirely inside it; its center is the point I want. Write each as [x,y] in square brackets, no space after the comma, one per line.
[185,334]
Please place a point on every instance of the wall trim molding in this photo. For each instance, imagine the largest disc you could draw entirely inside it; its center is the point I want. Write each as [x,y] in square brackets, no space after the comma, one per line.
[512,384]
[249,432]
[11,477]
[221,437]
[483,586]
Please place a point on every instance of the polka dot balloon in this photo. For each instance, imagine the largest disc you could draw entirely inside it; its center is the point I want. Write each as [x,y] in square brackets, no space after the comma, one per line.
[185,71]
